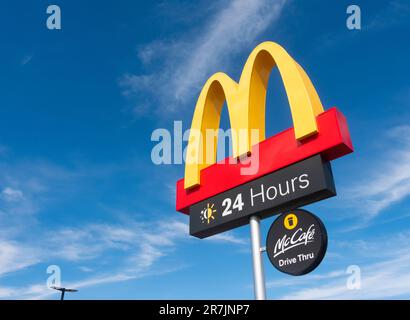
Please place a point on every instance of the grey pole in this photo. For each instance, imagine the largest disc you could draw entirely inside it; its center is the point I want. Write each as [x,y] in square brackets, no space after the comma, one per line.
[258,274]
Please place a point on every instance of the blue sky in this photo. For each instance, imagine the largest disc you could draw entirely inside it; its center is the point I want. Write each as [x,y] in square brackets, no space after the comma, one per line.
[78,105]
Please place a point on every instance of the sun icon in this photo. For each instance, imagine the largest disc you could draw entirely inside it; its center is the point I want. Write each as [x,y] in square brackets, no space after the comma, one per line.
[208,213]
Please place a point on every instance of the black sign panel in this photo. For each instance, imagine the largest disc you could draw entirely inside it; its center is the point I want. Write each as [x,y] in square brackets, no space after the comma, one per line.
[299,184]
[296,242]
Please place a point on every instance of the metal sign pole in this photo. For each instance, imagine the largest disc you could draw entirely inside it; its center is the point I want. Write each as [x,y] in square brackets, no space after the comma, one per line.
[258,274]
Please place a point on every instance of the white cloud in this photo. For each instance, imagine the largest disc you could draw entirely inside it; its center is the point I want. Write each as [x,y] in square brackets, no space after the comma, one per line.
[30,187]
[127,248]
[137,247]
[184,65]
[91,241]
[26,59]
[227,237]
[306,279]
[7,292]
[15,256]
[386,277]
[27,187]
[393,14]
[388,180]
[40,291]
[85,269]
[10,194]
[183,228]
[142,245]
[379,281]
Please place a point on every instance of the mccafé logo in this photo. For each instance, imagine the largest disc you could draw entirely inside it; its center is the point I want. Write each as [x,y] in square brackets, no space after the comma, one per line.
[314,131]
[296,239]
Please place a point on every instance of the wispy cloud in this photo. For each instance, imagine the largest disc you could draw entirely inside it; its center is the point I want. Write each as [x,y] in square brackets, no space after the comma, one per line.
[135,246]
[129,247]
[40,291]
[228,237]
[180,67]
[26,59]
[26,188]
[387,277]
[388,180]
[141,245]
[144,243]
[30,188]
[85,269]
[10,194]
[14,257]
[183,228]
[395,13]
[379,281]
[306,279]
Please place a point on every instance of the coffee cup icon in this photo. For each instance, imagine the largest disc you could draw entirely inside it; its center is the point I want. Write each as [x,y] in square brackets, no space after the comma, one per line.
[290,221]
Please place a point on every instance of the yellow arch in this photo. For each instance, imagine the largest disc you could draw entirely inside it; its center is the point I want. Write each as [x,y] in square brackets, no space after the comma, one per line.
[246,105]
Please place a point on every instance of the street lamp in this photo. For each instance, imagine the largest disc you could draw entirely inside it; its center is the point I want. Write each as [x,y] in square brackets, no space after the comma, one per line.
[63,291]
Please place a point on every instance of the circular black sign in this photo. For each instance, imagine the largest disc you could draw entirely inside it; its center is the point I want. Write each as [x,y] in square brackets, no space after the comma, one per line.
[296,242]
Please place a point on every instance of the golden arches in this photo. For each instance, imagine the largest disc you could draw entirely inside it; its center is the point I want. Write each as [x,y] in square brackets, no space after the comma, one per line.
[246,105]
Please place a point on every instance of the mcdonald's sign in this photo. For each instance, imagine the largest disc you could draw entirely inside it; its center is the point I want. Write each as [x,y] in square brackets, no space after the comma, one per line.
[316,133]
